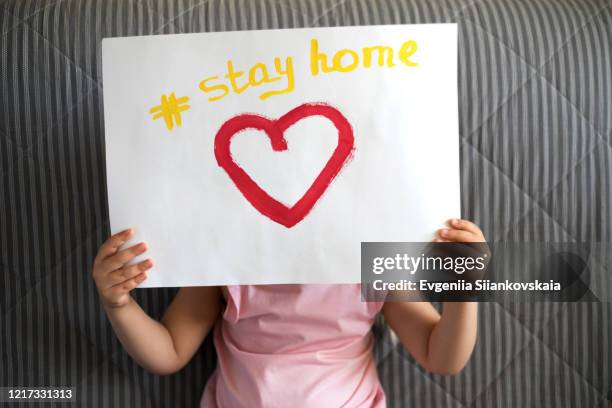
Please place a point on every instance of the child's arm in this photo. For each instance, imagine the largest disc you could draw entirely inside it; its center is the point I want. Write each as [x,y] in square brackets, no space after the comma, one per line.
[441,344]
[160,347]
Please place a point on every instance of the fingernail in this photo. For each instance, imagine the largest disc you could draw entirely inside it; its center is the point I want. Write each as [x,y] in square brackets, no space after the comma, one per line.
[444,232]
[455,221]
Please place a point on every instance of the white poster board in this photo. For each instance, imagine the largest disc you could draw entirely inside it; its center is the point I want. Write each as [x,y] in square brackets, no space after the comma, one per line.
[260,157]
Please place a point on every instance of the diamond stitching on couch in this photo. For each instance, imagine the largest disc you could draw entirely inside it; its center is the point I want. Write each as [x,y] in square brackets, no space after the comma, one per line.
[537,73]
[523,26]
[23,9]
[512,369]
[511,340]
[585,78]
[537,70]
[81,41]
[558,203]
[36,283]
[27,116]
[7,21]
[498,194]
[597,339]
[173,20]
[530,133]
[487,91]
[532,338]
[414,370]
[101,389]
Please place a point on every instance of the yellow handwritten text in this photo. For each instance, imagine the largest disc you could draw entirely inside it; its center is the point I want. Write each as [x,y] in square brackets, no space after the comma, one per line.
[279,77]
[170,109]
[258,75]
[347,60]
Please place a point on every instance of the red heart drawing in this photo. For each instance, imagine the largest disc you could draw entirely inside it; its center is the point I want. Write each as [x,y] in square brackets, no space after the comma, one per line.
[274,129]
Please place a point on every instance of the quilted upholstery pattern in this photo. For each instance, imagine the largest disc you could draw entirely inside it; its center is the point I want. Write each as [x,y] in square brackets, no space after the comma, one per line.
[535,85]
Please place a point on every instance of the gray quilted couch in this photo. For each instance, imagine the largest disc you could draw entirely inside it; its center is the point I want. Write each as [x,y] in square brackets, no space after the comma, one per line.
[535,85]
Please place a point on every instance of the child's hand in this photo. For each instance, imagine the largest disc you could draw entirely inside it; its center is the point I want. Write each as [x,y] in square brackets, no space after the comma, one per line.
[113,278]
[460,231]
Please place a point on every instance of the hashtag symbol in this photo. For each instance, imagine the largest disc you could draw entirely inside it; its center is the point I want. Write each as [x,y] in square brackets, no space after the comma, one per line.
[170,109]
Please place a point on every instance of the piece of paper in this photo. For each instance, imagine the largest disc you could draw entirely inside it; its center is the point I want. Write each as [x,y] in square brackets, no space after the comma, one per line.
[260,157]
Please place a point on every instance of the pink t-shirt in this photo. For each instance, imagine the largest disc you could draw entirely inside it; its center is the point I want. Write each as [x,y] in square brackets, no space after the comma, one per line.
[295,345]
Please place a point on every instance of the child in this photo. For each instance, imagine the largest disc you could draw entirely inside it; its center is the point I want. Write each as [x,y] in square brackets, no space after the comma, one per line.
[282,345]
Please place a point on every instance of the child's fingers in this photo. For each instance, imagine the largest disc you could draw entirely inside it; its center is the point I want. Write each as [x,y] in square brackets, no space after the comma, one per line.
[125,274]
[465,225]
[124,287]
[118,260]
[457,235]
[113,243]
